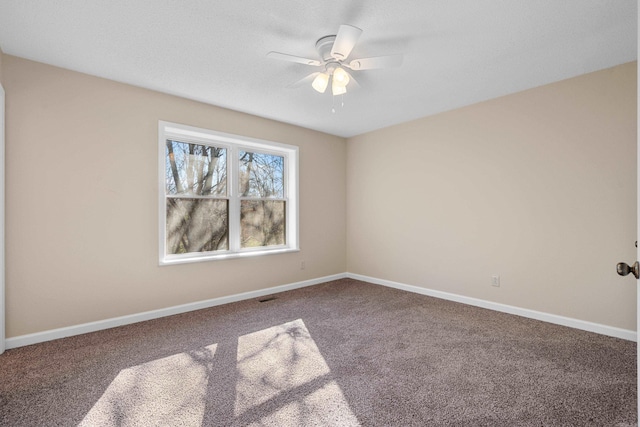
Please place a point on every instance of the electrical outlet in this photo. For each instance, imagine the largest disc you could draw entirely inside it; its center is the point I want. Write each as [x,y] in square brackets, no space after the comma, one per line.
[495,280]
[302,265]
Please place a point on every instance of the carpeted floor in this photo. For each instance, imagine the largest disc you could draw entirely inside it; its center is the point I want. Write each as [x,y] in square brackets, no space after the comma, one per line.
[343,353]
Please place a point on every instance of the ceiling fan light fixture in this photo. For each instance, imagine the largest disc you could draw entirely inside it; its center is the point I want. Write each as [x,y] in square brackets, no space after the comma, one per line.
[340,77]
[337,88]
[321,82]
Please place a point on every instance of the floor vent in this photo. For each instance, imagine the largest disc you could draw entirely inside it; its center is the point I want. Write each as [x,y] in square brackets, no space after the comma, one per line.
[267,299]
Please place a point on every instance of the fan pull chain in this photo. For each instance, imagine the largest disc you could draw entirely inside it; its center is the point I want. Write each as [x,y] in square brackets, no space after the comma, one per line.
[333,103]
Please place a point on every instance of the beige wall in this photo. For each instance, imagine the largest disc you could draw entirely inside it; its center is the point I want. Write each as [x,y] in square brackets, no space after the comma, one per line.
[82,201]
[538,187]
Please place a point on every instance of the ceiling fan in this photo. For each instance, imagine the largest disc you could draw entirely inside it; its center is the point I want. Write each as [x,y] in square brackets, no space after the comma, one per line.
[334,51]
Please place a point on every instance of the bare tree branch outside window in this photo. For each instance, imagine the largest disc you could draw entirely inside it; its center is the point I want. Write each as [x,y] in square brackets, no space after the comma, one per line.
[262,205]
[197,203]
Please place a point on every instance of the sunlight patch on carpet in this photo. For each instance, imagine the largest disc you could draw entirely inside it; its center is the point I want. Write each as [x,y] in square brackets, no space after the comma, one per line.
[280,379]
[284,380]
[168,391]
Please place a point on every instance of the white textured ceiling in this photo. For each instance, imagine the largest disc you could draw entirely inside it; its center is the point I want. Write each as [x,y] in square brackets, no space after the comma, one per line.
[456,53]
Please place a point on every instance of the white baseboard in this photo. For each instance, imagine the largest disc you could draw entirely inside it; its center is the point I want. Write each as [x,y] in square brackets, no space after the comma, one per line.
[531,314]
[84,328]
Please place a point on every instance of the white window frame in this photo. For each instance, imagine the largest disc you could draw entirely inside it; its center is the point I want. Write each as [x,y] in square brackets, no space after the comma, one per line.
[233,144]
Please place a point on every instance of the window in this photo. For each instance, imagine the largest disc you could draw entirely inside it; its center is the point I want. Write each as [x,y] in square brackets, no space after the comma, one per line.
[224,196]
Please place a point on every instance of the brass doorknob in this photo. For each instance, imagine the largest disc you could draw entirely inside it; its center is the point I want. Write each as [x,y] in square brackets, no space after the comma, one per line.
[623,269]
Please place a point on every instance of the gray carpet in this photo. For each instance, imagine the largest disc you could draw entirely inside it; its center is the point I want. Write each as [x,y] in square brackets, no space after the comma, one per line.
[343,353]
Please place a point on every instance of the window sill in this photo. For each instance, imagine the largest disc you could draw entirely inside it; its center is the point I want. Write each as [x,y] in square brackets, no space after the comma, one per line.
[227,255]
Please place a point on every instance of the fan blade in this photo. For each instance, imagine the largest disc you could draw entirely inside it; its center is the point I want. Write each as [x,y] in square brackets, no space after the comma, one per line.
[376,62]
[291,58]
[345,41]
[304,81]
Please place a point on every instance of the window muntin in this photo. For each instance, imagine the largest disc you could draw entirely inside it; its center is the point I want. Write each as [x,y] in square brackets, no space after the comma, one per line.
[225,196]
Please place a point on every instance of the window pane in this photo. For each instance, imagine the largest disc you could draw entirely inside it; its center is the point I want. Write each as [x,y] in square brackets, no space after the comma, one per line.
[196,225]
[261,175]
[262,223]
[195,169]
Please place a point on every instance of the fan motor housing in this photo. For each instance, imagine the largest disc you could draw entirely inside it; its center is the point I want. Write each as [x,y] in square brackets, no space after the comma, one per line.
[324,46]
